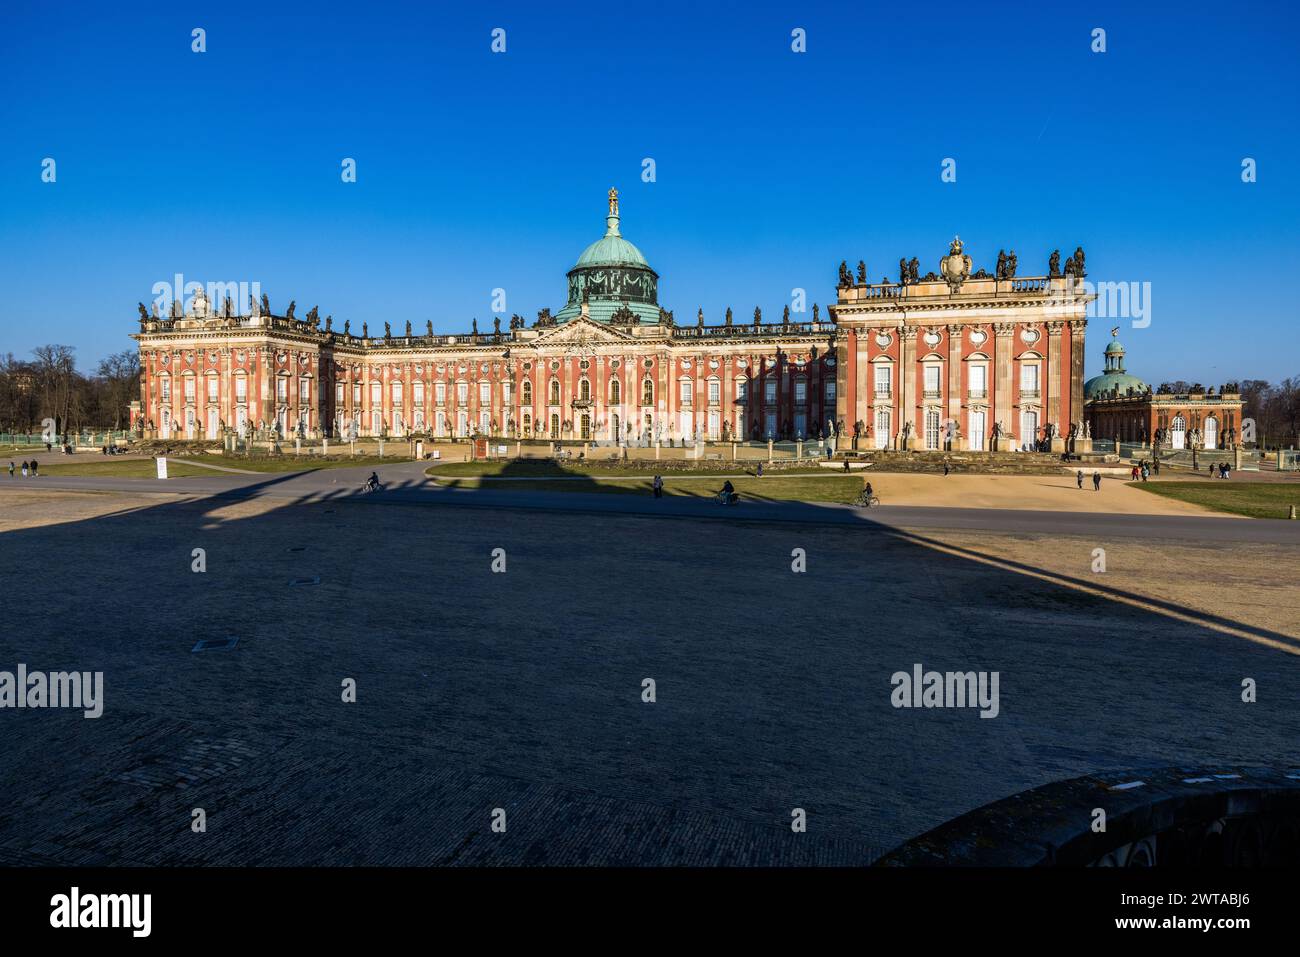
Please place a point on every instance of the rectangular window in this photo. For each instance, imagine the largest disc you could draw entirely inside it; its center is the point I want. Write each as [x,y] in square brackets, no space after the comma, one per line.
[715,391]
[241,389]
[686,391]
[417,393]
[931,380]
[979,380]
[800,391]
[166,385]
[376,396]
[356,393]
[338,393]
[282,389]
[507,393]
[440,393]
[462,394]
[883,379]
[304,390]
[189,390]
[769,392]
[1029,377]
[397,392]
[830,390]
[742,389]
[484,393]
[212,388]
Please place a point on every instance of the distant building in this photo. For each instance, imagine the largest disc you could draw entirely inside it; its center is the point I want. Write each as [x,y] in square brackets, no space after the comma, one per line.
[947,361]
[1121,406]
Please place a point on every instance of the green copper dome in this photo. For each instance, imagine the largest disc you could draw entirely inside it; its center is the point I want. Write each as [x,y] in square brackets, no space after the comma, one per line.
[612,279]
[611,251]
[1114,379]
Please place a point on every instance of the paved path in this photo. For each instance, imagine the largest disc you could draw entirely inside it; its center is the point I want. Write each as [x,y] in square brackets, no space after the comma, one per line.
[522,690]
[406,483]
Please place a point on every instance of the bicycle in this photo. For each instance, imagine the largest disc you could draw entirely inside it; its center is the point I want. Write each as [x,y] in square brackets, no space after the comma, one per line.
[867,501]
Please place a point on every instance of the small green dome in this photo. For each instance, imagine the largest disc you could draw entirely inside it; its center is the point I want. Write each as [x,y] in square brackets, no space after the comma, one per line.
[611,251]
[1114,379]
[1119,382]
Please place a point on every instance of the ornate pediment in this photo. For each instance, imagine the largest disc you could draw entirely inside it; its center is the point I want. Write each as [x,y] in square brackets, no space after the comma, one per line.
[582,331]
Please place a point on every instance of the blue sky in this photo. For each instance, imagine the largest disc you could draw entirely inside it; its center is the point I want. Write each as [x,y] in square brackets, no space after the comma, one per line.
[478,170]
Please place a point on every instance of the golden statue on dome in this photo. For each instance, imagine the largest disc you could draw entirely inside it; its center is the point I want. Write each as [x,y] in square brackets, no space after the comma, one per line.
[613,202]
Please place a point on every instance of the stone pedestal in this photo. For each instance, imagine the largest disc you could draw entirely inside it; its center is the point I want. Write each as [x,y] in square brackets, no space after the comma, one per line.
[1003,443]
[1058,445]
[913,443]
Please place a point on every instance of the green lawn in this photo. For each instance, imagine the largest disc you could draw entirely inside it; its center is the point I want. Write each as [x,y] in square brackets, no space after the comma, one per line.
[293,463]
[805,488]
[1254,499]
[541,468]
[118,468]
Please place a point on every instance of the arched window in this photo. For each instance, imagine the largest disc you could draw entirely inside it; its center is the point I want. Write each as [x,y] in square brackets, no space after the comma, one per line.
[1210,434]
[648,392]
[528,392]
[584,390]
[555,392]
[615,391]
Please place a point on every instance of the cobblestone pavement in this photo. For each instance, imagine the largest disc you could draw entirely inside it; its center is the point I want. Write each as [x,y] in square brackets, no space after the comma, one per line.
[522,690]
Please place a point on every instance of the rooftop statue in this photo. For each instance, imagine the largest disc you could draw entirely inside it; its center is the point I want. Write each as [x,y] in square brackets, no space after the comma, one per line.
[862,272]
[144,313]
[728,319]
[313,317]
[388,331]
[1011,265]
[266,305]
[428,328]
[814,312]
[329,323]
[289,313]
[699,318]
[914,270]
[902,271]
[1054,265]
[845,279]
[200,304]
[228,309]
[408,328]
[365,330]
[1001,272]
[613,202]
[347,327]
[1078,262]
[785,316]
[758,316]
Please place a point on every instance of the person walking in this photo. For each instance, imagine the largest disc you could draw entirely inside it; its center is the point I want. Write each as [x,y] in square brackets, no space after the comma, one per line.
[945,468]
[11,469]
[24,468]
[760,469]
[1079,478]
[34,468]
[658,486]
[1096,481]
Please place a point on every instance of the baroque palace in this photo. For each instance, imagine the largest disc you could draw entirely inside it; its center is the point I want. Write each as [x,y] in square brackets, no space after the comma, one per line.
[954,359]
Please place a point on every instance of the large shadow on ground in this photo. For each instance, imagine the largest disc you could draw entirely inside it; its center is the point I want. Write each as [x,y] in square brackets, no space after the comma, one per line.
[500,658]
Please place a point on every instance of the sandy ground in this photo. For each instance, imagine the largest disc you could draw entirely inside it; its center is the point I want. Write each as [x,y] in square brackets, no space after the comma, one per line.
[1035,492]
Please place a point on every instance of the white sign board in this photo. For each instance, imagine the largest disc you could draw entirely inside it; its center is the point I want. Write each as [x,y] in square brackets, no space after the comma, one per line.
[437,453]
[162,466]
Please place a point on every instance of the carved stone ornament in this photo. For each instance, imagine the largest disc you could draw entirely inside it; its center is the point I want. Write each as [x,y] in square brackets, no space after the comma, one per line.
[955,267]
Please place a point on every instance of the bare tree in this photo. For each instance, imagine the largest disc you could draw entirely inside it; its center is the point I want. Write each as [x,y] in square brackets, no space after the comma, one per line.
[119,375]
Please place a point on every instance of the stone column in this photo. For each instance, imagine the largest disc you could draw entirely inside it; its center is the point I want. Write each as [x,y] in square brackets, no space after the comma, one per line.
[1002,412]
[954,384]
[1053,383]
[1077,328]
[906,384]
